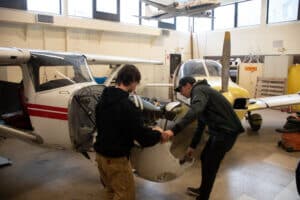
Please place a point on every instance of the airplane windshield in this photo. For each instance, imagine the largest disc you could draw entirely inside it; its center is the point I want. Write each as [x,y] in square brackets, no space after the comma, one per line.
[50,71]
[192,68]
[213,68]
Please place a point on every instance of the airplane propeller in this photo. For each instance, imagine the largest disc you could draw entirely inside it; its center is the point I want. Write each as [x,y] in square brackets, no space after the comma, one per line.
[225,62]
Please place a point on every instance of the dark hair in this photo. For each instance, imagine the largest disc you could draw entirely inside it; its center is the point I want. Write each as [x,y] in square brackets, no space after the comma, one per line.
[128,74]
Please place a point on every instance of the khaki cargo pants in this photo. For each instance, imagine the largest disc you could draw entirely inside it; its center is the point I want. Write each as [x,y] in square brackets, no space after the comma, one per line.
[117,178]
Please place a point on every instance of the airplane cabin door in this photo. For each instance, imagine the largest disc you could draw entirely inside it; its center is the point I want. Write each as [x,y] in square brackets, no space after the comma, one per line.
[82,117]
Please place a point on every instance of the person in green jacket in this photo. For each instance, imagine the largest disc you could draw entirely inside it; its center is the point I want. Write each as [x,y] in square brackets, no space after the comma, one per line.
[211,108]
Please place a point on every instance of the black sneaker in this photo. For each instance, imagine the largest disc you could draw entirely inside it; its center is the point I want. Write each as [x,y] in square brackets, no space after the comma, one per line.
[193,191]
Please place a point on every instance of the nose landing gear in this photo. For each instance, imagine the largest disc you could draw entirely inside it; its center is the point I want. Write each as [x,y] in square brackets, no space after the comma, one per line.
[255,121]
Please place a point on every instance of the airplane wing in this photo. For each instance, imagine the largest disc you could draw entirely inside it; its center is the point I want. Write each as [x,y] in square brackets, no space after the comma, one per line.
[13,56]
[155,4]
[268,102]
[158,16]
[116,60]
[201,8]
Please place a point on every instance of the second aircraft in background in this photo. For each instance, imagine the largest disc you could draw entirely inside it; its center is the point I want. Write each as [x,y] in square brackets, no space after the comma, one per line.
[194,8]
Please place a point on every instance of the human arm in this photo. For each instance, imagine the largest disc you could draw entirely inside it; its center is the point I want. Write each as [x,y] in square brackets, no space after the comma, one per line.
[165,135]
[198,103]
[198,134]
[144,135]
[196,138]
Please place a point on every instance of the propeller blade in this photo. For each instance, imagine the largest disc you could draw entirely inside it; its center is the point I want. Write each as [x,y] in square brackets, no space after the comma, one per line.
[225,62]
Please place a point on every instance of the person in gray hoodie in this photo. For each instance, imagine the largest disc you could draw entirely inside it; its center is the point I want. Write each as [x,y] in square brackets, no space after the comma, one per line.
[211,108]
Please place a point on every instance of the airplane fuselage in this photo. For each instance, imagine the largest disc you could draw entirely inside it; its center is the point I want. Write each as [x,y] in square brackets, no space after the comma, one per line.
[49,113]
[50,81]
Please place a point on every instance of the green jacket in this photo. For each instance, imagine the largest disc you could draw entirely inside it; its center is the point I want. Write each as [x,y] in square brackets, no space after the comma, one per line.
[213,109]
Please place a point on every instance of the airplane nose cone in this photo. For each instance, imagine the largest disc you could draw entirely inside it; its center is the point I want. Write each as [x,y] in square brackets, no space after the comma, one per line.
[157,163]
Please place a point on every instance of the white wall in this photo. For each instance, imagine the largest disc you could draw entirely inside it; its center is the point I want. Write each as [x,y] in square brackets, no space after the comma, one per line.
[18,29]
[255,40]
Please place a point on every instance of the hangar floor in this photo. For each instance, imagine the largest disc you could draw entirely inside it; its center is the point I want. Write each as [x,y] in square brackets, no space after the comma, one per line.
[255,169]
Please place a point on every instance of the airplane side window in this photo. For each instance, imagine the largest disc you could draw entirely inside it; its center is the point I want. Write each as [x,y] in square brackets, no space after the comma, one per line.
[55,76]
[214,69]
[50,71]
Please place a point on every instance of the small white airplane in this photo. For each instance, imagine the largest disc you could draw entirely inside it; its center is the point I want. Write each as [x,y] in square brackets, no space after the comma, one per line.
[192,8]
[55,104]
[55,100]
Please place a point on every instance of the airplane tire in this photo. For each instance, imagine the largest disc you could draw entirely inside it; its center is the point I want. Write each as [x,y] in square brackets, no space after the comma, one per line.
[255,121]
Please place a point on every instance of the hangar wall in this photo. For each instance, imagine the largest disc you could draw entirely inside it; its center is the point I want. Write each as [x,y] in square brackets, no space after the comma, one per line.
[19,29]
[256,40]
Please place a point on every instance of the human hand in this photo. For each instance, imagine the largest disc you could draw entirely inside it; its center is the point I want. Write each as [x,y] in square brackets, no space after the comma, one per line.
[188,156]
[166,135]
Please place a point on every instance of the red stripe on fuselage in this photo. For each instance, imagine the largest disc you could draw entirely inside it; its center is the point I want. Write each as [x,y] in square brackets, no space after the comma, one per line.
[47,114]
[44,107]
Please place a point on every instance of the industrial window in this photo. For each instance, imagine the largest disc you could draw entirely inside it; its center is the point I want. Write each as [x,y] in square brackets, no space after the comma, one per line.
[202,24]
[168,20]
[15,4]
[130,11]
[282,10]
[249,13]
[224,17]
[81,8]
[53,6]
[169,23]
[107,10]
[153,23]
[107,7]
[183,24]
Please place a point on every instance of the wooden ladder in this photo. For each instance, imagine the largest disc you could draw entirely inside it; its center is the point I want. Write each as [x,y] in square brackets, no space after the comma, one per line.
[266,87]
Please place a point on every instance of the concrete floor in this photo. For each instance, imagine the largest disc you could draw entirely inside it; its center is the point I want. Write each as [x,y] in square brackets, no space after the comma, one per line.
[255,169]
